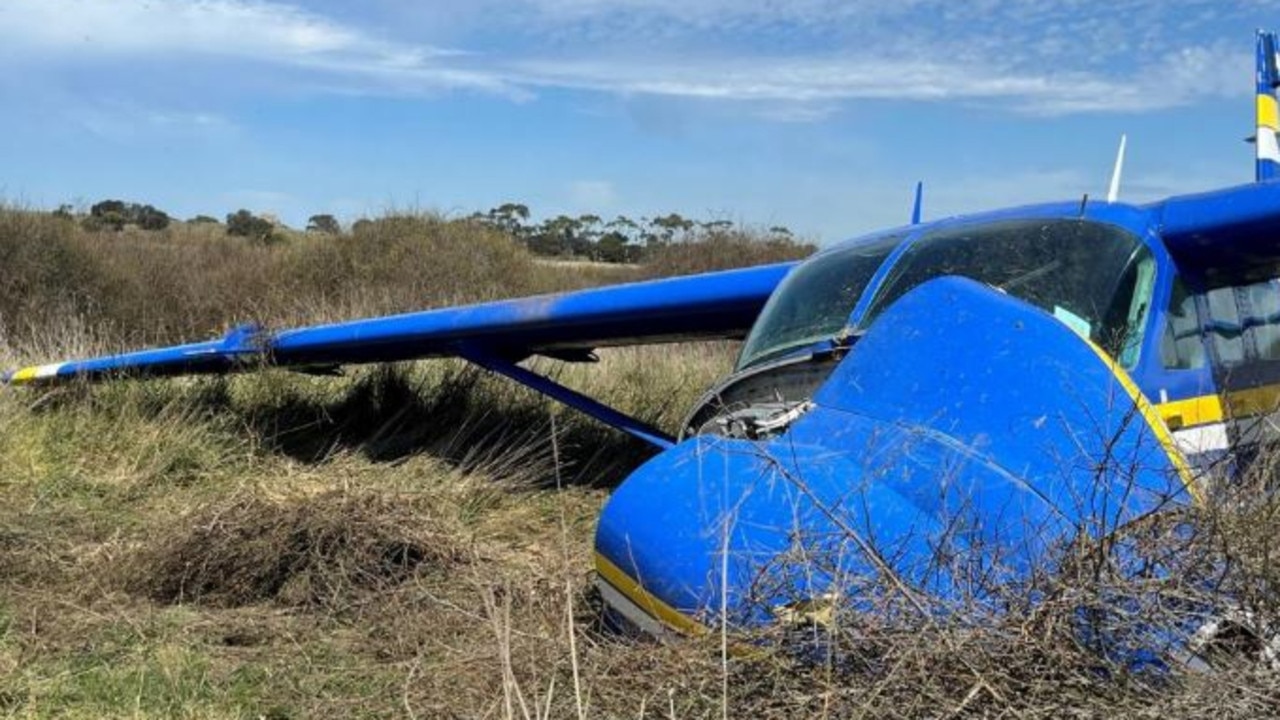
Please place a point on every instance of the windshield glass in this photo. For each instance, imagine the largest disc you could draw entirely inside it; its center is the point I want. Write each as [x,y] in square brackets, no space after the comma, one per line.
[814,301]
[1095,278]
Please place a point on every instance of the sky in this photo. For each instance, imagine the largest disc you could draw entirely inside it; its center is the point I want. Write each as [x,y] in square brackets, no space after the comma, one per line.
[819,115]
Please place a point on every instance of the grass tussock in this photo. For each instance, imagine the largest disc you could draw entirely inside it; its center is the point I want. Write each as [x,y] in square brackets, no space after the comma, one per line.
[317,551]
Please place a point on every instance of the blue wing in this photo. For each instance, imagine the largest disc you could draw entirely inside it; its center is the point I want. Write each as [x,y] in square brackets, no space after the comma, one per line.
[708,306]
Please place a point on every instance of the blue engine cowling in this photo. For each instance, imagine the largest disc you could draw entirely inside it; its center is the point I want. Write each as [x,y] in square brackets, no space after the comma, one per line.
[967,439]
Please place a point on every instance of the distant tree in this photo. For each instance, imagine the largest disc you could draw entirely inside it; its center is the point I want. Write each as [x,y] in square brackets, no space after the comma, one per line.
[64,212]
[243,223]
[361,226]
[326,224]
[557,236]
[663,230]
[510,218]
[203,220]
[115,214]
[612,248]
[624,226]
[106,215]
[100,209]
[780,230]
[109,220]
[585,233]
[149,218]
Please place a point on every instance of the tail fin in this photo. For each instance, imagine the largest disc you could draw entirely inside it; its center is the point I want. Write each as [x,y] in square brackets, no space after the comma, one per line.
[1266,145]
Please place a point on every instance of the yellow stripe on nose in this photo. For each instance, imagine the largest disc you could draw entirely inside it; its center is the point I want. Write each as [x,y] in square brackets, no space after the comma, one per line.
[650,604]
[1156,423]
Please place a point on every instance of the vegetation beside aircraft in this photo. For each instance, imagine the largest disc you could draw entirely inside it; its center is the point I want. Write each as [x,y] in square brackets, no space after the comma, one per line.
[389,543]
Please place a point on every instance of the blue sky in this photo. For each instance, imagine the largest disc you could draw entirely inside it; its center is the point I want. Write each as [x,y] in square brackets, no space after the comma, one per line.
[815,114]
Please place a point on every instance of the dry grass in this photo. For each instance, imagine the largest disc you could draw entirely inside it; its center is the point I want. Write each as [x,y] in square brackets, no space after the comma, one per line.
[193,281]
[415,541]
[160,558]
[325,551]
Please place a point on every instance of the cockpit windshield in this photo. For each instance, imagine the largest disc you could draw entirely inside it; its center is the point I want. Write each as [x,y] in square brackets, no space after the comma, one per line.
[814,301]
[1095,278]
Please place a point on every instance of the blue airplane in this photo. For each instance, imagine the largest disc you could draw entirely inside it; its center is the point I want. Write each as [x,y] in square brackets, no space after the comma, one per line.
[920,415]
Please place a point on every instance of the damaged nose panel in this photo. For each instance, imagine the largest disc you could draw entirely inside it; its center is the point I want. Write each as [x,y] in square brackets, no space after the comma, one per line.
[965,441]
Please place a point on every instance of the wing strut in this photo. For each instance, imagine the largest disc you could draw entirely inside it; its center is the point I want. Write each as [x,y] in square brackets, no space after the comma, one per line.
[572,398]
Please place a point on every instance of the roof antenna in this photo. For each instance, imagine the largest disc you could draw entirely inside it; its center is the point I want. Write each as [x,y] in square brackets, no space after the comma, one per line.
[1113,193]
[915,210]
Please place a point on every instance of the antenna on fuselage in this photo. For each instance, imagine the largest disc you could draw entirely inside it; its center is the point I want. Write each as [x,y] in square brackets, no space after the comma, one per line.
[1113,192]
[915,208]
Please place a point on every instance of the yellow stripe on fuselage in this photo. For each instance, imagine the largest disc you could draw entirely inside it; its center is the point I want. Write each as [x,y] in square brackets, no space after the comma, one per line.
[1268,113]
[624,584]
[1207,409]
[1191,412]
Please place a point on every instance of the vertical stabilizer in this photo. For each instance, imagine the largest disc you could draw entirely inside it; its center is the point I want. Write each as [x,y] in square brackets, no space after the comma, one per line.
[1268,119]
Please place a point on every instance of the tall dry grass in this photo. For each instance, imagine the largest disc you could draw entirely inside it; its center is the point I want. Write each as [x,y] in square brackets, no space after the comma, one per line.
[193,281]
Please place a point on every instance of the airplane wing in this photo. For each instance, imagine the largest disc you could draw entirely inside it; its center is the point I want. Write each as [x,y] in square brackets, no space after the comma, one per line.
[494,335]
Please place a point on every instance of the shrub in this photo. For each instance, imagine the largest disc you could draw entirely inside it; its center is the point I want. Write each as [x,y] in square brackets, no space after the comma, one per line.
[243,223]
[149,218]
[722,249]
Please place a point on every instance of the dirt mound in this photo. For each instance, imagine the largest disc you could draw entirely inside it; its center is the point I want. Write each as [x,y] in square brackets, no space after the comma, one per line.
[323,551]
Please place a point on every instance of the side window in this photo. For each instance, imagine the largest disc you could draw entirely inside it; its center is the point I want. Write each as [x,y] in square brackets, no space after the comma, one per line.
[1225,330]
[1264,318]
[1181,347]
[1244,322]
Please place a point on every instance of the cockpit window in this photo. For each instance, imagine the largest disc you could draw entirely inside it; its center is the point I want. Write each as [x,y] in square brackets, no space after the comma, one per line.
[1095,278]
[814,301]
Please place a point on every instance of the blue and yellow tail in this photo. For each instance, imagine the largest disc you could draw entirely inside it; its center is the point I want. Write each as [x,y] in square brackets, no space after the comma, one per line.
[1266,146]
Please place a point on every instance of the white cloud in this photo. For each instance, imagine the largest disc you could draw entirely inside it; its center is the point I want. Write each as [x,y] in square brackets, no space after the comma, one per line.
[232,27]
[1021,54]
[814,82]
[125,122]
[87,31]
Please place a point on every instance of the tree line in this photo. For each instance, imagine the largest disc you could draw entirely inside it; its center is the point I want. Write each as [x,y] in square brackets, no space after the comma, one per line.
[590,237]
[584,237]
